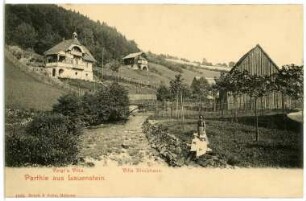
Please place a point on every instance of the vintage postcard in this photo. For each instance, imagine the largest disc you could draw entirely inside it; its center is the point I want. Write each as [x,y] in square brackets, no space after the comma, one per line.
[149,100]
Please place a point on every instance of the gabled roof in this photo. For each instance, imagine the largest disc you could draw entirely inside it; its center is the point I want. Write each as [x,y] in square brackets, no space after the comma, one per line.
[248,53]
[66,44]
[133,55]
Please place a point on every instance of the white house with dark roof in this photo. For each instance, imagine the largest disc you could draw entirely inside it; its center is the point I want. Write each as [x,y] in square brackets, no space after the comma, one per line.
[136,61]
[70,59]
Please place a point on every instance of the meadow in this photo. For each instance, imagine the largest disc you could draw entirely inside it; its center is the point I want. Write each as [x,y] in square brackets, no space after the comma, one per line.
[23,91]
[235,142]
[159,74]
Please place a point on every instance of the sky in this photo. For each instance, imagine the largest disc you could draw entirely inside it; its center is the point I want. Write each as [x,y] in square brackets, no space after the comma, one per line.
[219,33]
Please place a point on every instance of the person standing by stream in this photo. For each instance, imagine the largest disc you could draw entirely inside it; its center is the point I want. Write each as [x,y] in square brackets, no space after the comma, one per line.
[198,146]
[202,129]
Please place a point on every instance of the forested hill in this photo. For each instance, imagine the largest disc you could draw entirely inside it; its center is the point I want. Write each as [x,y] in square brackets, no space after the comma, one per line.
[42,26]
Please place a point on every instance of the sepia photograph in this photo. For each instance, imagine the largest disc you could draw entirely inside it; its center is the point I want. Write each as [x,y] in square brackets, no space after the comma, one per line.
[101,98]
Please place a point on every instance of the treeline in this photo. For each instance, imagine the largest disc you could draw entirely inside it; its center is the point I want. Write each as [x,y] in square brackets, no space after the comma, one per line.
[178,90]
[42,26]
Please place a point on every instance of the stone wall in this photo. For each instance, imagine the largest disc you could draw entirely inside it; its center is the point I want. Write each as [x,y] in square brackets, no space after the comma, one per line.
[170,148]
[174,151]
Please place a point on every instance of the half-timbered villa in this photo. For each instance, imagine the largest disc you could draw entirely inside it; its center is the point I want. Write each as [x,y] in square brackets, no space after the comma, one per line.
[257,62]
[70,59]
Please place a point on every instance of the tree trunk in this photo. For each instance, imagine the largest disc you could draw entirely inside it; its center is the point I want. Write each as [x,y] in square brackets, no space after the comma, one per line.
[171,109]
[200,106]
[240,103]
[283,103]
[236,108]
[256,116]
[222,107]
[284,110]
[182,106]
[177,106]
[261,107]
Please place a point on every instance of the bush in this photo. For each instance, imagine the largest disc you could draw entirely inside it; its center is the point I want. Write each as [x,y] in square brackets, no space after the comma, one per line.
[50,139]
[16,51]
[163,93]
[68,105]
[109,104]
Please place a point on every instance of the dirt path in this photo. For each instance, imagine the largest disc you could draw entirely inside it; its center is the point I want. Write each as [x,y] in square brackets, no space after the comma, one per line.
[119,144]
[296,116]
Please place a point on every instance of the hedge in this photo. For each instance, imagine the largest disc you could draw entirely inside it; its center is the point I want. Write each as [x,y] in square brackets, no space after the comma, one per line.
[50,139]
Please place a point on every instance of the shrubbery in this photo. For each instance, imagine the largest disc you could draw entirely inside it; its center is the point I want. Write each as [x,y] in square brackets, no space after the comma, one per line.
[68,105]
[50,139]
[27,56]
[106,105]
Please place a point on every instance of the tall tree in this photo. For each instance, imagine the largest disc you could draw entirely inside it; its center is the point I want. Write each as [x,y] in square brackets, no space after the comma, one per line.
[176,86]
[200,89]
[25,35]
[163,93]
[233,84]
[221,86]
[289,81]
[258,86]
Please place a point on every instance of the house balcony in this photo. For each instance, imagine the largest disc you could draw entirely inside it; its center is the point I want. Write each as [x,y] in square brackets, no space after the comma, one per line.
[66,65]
[59,64]
[78,66]
[142,61]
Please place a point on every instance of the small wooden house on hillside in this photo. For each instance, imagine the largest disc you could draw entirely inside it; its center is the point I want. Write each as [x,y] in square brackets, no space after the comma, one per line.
[136,61]
[257,62]
[70,59]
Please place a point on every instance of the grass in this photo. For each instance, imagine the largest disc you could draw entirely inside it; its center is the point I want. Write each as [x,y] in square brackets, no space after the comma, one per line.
[158,74]
[83,84]
[235,143]
[91,86]
[24,92]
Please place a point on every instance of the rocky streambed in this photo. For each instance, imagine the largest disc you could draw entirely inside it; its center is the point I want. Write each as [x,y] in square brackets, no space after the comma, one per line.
[119,144]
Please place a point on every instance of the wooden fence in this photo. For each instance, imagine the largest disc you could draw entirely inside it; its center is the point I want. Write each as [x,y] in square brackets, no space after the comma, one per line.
[172,110]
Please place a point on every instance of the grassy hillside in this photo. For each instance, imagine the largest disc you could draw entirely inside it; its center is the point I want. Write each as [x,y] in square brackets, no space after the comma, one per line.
[158,74]
[24,92]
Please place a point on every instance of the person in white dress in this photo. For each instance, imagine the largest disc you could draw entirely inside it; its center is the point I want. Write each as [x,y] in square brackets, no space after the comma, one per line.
[200,141]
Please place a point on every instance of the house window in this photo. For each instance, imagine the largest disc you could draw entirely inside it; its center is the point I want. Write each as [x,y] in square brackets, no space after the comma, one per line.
[76,73]
[60,71]
[86,74]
